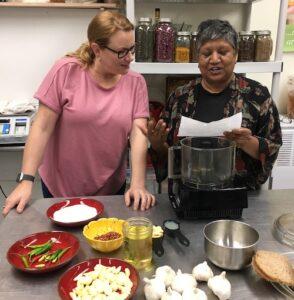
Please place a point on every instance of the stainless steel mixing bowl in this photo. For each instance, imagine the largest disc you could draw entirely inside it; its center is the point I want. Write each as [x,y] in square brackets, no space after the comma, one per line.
[230,244]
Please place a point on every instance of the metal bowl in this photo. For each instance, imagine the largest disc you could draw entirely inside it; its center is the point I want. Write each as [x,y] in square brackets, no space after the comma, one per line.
[230,244]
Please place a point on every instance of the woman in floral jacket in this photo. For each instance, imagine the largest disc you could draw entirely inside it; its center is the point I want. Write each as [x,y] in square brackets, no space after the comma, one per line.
[220,93]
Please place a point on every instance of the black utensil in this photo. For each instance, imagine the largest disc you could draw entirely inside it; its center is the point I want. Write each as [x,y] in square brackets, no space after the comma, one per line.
[157,246]
[172,229]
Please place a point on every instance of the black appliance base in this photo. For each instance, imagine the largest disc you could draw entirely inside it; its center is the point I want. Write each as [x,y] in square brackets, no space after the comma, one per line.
[190,203]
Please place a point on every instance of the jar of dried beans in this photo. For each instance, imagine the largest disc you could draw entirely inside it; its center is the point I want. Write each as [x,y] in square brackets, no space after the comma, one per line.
[263,45]
[144,40]
[164,41]
[246,46]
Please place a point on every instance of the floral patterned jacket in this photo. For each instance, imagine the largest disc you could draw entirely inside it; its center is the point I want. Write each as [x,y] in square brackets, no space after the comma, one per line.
[259,113]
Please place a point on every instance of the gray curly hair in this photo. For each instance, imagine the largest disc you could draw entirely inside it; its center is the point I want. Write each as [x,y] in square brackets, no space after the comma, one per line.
[215,29]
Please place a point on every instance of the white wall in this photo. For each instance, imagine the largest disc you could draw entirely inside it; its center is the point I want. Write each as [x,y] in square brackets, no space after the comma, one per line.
[31,40]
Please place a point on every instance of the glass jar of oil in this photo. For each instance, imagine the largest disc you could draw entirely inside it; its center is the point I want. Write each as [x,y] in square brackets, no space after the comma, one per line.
[138,242]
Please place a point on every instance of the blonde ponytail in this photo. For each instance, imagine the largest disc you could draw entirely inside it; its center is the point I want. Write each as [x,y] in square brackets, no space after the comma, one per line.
[84,54]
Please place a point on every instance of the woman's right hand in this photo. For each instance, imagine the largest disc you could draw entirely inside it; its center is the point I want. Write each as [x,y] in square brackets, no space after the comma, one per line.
[157,134]
[19,197]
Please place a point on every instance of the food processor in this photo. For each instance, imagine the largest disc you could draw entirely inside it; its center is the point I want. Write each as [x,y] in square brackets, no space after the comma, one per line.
[201,179]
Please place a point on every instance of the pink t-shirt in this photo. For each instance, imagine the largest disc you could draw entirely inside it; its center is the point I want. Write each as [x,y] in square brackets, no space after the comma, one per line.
[86,155]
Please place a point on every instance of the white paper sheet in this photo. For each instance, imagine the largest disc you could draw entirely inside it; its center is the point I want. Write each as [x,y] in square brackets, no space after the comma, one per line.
[190,127]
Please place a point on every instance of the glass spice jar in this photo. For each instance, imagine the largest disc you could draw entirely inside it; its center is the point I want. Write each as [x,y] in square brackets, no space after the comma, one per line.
[193,48]
[137,233]
[182,50]
[246,46]
[263,45]
[164,41]
[144,36]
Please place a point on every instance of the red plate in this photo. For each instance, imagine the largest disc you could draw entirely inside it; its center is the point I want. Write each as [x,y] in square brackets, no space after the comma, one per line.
[67,284]
[70,202]
[19,248]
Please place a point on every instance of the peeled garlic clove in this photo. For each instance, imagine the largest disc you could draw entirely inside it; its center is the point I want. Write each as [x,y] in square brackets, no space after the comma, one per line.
[183,281]
[194,294]
[220,286]
[202,272]
[171,295]
[166,273]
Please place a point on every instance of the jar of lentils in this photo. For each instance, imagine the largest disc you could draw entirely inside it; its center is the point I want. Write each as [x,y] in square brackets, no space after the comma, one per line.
[144,40]
[263,45]
[246,46]
[164,41]
[193,47]
[182,52]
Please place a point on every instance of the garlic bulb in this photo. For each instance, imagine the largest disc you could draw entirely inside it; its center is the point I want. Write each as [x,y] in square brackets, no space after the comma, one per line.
[220,286]
[154,288]
[202,272]
[183,281]
[194,294]
[166,273]
[171,295]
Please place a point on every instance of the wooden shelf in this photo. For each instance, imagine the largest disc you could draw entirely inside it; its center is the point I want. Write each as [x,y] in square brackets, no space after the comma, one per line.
[60,5]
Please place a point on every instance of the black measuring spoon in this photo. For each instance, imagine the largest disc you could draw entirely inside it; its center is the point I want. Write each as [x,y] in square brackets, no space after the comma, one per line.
[157,246]
[157,243]
[172,229]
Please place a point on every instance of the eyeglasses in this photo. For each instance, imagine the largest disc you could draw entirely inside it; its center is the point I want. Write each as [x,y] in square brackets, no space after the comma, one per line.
[122,53]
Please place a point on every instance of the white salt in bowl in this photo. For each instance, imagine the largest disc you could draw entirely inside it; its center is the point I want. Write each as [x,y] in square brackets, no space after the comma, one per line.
[75,212]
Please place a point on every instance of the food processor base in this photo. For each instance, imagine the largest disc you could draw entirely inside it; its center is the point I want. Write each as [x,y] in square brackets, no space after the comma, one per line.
[191,203]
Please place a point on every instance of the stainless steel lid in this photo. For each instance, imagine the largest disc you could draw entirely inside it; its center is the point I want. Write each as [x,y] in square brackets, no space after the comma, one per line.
[145,19]
[263,32]
[284,229]
[246,33]
[188,33]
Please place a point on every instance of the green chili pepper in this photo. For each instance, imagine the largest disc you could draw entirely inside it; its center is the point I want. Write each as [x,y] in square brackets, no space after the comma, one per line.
[40,265]
[25,261]
[48,257]
[40,250]
[54,256]
[62,252]
[40,245]
[42,257]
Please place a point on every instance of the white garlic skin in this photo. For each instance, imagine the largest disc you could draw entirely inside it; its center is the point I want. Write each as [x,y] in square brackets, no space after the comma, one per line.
[202,272]
[194,294]
[183,281]
[166,273]
[220,286]
[154,288]
[171,295]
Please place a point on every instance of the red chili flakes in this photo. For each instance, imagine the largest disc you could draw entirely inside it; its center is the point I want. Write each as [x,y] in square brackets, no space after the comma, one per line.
[111,235]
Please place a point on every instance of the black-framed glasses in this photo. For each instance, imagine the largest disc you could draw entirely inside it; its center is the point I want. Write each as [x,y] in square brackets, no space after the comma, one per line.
[122,53]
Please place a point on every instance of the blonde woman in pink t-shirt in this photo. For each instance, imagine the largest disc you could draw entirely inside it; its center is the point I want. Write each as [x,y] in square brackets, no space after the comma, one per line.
[91,105]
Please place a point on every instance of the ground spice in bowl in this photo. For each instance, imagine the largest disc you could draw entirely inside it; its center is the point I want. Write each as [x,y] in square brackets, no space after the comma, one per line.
[111,235]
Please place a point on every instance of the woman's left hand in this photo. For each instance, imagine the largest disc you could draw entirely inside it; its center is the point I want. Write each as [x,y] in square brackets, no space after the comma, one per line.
[142,199]
[241,136]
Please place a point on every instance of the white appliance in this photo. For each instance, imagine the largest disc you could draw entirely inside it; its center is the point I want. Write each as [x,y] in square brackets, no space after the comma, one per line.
[283,170]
